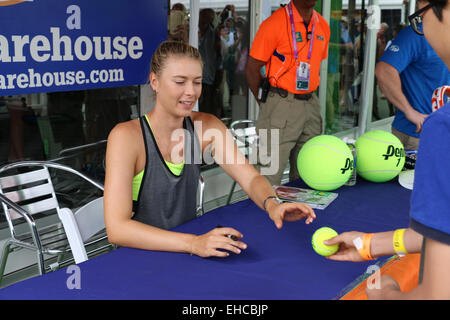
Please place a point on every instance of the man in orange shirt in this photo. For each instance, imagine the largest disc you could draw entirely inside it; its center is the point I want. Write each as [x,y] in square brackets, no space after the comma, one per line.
[291,44]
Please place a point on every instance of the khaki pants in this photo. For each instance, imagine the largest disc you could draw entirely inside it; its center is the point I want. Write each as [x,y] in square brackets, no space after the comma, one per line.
[409,142]
[295,121]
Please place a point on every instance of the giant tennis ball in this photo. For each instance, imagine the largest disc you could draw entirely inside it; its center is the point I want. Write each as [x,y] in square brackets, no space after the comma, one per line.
[325,163]
[319,237]
[380,156]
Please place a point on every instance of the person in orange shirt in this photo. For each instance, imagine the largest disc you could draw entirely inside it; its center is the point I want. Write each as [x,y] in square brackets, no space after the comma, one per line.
[291,44]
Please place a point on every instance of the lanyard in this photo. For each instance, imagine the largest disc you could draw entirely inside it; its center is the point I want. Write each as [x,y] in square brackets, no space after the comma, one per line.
[291,18]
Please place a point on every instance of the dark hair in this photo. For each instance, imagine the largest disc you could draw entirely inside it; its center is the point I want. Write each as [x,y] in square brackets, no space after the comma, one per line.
[179,6]
[168,49]
[438,6]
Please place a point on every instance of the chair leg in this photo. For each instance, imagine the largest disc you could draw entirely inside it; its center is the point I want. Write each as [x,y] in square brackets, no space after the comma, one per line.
[231,192]
[40,260]
[61,256]
[5,254]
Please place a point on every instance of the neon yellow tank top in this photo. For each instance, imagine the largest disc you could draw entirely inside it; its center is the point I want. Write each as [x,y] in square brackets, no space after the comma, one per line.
[137,180]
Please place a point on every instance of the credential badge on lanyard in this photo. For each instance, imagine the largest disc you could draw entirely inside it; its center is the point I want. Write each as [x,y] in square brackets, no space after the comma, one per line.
[303,68]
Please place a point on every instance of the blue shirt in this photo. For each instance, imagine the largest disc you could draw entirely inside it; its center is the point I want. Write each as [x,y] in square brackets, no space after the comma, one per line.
[421,72]
[430,201]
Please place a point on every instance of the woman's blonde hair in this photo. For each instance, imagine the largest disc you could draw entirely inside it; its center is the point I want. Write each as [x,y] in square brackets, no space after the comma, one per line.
[168,49]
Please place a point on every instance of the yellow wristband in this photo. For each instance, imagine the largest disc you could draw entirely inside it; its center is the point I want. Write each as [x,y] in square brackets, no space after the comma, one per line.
[399,245]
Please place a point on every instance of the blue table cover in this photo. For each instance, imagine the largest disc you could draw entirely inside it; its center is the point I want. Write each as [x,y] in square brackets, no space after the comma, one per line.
[277,265]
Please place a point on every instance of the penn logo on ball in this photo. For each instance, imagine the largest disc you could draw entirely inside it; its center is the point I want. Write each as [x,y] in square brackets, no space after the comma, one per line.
[325,163]
[392,151]
[380,154]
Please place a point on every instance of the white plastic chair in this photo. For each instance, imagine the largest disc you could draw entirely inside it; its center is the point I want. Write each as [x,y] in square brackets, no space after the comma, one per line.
[30,195]
[81,225]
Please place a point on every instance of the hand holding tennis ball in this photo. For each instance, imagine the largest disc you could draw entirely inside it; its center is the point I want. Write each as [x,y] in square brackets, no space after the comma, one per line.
[318,239]
[347,250]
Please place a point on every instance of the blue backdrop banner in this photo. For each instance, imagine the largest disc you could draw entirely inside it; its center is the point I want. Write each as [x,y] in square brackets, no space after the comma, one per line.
[62,45]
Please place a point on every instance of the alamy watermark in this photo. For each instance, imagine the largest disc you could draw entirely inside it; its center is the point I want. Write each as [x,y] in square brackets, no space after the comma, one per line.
[374,280]
[74,280]
[263,149]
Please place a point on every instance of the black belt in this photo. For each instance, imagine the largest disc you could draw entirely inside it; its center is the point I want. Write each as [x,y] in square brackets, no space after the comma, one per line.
[284,93]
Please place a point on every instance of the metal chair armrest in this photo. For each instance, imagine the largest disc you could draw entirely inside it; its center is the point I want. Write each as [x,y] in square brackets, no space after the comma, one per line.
[28,218]
[17,208]
[200,207]
[54,165]
[240,122]
[77,151]
[82,147]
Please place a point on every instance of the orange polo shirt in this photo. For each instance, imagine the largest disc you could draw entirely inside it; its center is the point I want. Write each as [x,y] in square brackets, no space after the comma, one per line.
[273,43]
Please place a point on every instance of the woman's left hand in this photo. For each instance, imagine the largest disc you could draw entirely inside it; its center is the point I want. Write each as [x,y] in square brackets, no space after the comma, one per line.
[290,211]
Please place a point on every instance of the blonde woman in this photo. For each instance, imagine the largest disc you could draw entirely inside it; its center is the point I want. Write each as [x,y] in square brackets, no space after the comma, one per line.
[152,177]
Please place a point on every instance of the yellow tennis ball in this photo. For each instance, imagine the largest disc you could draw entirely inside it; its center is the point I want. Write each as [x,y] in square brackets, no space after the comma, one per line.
[319,237]
[380,156]
[325,163]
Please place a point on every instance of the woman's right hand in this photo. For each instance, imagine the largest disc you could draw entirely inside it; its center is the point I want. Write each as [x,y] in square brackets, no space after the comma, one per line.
[213,243]
[347,250]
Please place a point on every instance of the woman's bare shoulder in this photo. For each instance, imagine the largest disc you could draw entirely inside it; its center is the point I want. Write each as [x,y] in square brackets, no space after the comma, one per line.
[208,121]
[125,131]
[125,144]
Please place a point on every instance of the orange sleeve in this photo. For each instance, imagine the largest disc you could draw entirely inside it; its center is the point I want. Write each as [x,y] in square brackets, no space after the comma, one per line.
[266,40]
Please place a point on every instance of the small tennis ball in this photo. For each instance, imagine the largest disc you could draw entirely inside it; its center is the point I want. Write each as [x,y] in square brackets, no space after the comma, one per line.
[325,163]
[380,156]
[319,237]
